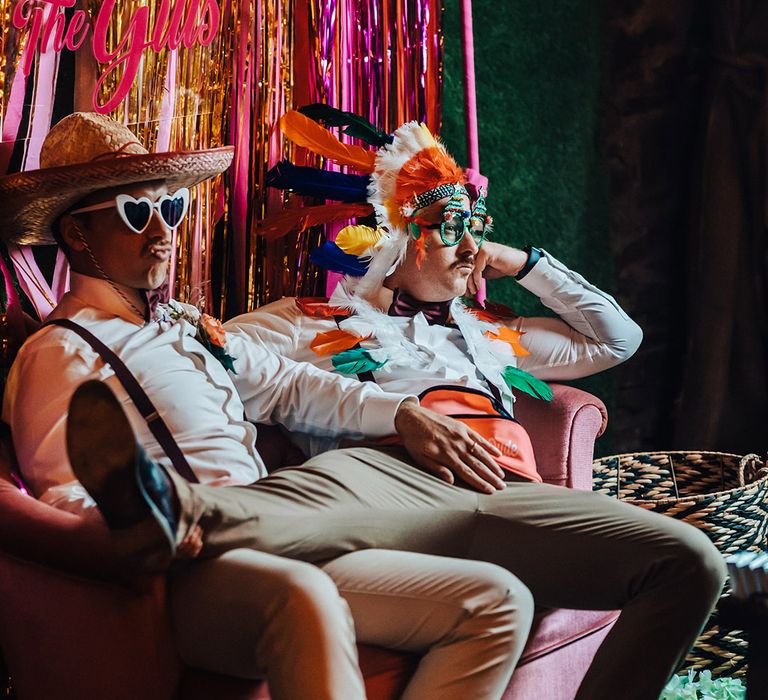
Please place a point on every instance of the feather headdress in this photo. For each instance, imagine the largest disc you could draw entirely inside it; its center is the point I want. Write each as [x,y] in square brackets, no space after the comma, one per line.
[407,164]
[413,163]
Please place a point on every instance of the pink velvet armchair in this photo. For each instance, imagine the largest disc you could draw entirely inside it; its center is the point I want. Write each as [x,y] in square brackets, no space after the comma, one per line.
[66,632]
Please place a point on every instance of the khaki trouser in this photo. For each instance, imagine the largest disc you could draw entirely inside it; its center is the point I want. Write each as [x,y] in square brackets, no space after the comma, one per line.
[252,614]
[571,549]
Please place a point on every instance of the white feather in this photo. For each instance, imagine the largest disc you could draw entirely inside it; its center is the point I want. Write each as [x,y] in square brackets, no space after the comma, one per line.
[388,256]
[409,139]
[387,339]
[490,356]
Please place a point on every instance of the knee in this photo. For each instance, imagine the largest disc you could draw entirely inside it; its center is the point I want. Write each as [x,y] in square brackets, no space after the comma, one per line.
[308,593]
[701,560]
[507,597]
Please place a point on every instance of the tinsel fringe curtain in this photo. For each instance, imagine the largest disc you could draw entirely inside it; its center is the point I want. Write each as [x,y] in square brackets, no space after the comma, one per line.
[379,58]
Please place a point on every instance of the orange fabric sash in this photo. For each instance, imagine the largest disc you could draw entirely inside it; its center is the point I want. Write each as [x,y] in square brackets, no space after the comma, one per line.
[481,413]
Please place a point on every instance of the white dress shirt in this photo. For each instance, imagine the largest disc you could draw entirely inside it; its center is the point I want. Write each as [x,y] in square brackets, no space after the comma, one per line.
[591,334]
[202,404]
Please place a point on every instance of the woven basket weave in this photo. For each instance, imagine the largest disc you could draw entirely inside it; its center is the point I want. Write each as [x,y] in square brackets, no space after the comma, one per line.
[724,495]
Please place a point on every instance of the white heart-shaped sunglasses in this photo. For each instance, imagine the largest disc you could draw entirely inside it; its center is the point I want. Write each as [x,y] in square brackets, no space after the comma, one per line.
[137,213]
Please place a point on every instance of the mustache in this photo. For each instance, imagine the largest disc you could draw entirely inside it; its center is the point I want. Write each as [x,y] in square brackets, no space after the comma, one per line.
[465,259]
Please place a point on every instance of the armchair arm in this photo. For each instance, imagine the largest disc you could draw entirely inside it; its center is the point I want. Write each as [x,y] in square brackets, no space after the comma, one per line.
[67,636]
[563,432]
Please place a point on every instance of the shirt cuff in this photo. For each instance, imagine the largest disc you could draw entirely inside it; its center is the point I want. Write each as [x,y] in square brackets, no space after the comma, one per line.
[379,411]
[547,277]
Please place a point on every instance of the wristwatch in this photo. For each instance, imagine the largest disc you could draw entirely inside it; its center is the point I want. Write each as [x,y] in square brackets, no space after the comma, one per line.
[534,255]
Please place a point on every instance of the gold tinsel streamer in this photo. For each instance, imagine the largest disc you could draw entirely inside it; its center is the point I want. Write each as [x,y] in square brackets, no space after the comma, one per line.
[212,104]
[200,103]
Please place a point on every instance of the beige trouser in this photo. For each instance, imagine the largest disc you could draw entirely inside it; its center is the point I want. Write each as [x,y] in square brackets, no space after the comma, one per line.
[252,614]
[571,549]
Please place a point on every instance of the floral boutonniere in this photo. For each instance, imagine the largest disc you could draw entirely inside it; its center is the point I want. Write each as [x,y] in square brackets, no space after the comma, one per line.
[210,334]
[213,337]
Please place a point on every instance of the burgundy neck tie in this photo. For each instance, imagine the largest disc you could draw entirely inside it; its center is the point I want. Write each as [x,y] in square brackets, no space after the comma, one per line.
[403,304]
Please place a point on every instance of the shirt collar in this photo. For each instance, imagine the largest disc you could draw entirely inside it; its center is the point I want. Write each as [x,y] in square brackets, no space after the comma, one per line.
[100,294]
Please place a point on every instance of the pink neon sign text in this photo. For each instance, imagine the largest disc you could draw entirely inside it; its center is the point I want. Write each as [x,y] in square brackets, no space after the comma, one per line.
[177,23]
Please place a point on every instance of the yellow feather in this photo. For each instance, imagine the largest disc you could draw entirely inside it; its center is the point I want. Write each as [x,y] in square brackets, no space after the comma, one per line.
[305,132]
[355,240]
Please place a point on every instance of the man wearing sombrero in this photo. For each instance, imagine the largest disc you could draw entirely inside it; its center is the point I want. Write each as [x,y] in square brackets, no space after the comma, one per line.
[186,405]
[400,319]
[113,206]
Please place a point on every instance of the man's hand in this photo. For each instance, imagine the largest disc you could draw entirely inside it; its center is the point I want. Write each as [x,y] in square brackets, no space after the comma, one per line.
[191,545]
[495,260]
[447,448]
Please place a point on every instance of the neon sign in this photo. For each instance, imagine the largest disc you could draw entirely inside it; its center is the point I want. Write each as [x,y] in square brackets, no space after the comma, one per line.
[177,23]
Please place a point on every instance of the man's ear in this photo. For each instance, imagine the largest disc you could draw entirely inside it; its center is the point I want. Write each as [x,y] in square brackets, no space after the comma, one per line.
[71,233]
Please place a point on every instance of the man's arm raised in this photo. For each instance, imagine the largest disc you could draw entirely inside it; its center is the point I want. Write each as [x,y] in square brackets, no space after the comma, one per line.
[592,333]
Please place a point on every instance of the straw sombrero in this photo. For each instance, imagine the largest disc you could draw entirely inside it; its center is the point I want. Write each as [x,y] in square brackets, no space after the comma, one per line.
[83,153]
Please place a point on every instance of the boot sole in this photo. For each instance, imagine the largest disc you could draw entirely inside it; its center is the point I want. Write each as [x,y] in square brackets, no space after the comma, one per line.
[103,454]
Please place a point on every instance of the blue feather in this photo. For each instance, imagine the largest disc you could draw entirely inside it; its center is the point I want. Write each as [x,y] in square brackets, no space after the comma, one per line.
[314,182]
[331,257]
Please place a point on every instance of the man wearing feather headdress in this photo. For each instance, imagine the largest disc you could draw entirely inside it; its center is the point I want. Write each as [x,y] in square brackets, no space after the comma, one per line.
[399,319]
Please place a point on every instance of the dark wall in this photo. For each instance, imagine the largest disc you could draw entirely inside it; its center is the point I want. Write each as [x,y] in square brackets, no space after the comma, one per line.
[591,119]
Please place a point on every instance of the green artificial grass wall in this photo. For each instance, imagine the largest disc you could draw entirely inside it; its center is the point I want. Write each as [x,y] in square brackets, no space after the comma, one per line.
[539,69]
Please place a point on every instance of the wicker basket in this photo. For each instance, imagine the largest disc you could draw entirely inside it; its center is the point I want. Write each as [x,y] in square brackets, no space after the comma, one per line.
[724,495]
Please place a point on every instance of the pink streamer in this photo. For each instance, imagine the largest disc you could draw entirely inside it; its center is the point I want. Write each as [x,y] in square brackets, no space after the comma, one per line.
[470,111]
[31,279]
[45,89]
[33,282]
[168,107]
[12,119]
[470,100]
[240,137]
[167,110]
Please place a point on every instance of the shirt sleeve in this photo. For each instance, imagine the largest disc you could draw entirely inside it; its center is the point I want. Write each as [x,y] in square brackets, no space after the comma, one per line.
[592,333]
[35,405]
[276,389]
[272,326]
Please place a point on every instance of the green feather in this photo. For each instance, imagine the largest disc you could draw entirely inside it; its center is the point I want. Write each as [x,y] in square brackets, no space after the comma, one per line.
[517,379]
[355,361]
[356,126]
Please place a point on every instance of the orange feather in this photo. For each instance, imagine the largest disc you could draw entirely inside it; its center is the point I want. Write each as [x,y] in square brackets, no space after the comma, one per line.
[430,167]
[511,338]
[421,250]
[318,307]
[493,312]
[337,340]
[305,132]
[301,218]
